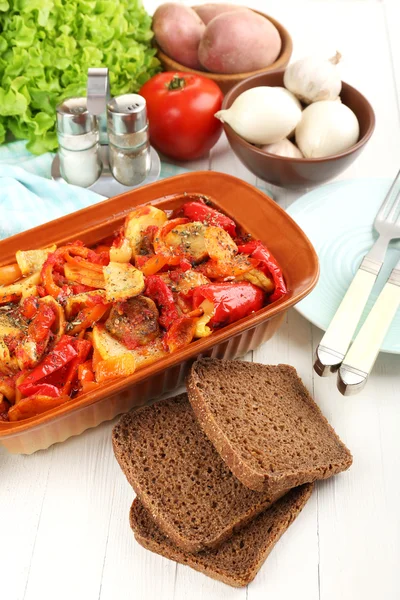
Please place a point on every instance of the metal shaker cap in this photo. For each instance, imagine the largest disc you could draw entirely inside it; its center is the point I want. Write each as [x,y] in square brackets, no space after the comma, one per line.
[126,114]
[73,117]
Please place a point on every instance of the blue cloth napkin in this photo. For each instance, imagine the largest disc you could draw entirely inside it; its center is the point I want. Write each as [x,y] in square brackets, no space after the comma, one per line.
[28,195]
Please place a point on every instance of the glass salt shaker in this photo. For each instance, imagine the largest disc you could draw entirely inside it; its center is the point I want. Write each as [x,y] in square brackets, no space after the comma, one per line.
[78,138]
[128,139]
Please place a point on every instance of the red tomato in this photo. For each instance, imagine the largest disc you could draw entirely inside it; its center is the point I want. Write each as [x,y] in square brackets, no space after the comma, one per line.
[181,109]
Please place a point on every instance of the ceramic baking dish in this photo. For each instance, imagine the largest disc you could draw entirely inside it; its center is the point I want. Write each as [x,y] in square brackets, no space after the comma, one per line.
[255,212]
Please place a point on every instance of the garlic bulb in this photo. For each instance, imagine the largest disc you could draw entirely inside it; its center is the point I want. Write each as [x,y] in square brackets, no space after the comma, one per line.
[312,79]
[263,115]
[283,148]
[326,128]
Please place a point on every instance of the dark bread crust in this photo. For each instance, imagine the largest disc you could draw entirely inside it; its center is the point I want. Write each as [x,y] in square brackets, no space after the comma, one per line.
[238,560]
[180,477]
[264,424]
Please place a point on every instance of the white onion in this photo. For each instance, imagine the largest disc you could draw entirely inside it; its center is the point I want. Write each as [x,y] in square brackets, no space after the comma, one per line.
[326,128]
[314,79]
[263,115]
[283,148]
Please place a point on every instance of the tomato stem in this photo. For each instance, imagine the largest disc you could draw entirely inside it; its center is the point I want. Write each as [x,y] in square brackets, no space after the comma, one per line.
[176,83]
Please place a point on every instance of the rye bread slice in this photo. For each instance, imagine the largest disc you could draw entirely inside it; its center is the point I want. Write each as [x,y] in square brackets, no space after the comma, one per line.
[264,424]
[180,478]
[237,561]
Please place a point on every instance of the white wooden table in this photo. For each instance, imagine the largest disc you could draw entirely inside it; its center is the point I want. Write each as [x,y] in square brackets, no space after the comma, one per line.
[64,531]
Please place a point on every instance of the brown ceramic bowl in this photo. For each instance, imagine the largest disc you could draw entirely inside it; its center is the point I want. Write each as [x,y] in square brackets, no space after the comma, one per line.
[298,173]
[226,82]
[252,210]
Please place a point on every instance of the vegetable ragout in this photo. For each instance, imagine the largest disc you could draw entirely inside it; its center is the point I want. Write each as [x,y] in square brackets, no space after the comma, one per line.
[73,317]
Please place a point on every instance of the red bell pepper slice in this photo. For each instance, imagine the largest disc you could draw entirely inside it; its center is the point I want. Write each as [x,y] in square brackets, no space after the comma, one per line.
[268,263]
[41,323]
[83,348]
[87,317]
[185,264]
[99,258]
[45,389]
[85,372]
[232,301]
[61,354]
[56,260]
[9,298]
[180,334]
[57,378]
[200,211]
[157,290]
[150,264]
[29,307]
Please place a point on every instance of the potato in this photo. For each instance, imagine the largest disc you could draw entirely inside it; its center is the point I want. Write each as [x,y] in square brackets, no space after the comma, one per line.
[122,280]
[105,344]
[137,222]
[8,326]
[207,12]
[30,261]
[178,30]
[219,245]
[238,42]
[19,287]
[121,253]
[188,240]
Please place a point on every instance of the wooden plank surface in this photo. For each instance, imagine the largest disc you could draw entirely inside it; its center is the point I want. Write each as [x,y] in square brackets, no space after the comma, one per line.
[65,532]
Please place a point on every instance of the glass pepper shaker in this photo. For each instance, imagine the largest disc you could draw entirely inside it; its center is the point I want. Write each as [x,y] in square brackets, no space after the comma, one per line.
[128,139]
[78,138]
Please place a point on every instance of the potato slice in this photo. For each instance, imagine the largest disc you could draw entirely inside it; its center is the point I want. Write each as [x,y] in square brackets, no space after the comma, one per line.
[202,329]
[19,287]
[27,354]
[9,327]
[258,278]
[123,281]
[187,281]
[138,220]
[188,240]
[105,344]
[147,355]
[30,261]
[122,253]
[219,244]
[108,347]
[8,364]
[31,291]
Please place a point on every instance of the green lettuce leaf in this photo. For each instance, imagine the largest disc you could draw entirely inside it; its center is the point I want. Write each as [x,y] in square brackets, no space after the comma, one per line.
[46,48]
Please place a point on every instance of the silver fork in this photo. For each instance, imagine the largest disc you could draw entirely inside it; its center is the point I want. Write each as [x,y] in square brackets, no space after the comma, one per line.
[336,340]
